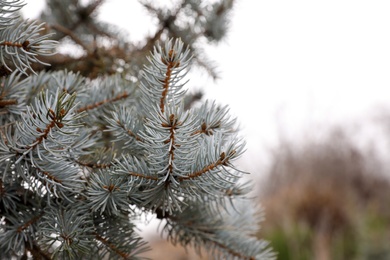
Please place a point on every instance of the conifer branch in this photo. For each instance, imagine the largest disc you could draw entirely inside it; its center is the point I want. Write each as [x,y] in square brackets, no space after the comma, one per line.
[37,252]
[55,121]
[233,252]
[94,165]
[8,102]
[204,129]
[129,132]
[223,160]
[107,243]
[4,100]
[171,63]
[2,190]
[71,34]
[103,102]
[29,223]
[173,124]
[56,158]
[143,176]
[165,24]
[132,134]
[51,177]
[24,45]
[2,134]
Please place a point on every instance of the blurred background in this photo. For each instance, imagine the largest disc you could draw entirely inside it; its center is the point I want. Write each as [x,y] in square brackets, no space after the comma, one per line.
[309,83]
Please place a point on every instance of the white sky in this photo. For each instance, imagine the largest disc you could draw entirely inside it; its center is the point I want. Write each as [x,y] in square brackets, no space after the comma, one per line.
[289,66]
[298,65]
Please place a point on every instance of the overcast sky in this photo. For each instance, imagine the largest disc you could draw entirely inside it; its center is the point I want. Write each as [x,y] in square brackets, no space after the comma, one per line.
[289,65]
[299,65]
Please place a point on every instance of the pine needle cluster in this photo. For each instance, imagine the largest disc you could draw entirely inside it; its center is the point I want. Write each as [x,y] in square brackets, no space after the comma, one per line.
[81,157]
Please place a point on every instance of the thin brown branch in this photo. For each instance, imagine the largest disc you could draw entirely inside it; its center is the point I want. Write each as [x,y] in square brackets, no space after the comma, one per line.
[233,253]
[203,130]
[93,6]
[8,102]
[142,176]
[94,165]
[85,12]
[112,246]
[37,252]
[2,190]
[45,132]
[152,40]
[24,45]
[103,102]
[136,137]
[3,136]
[173,124]
[170,65]
[29,223]
[129,132]
[72,35]
[51,177]
[221,161]
[165,24]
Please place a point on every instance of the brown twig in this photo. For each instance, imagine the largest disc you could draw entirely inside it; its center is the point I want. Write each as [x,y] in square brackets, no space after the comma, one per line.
[233,253]
[129,132]
[111,246]
[24,45]
[103,102]
[29,223]
[94,165]
[8,102]
[171,64]
[173,125]
[55,121]
[72,35]
[140,175]
[51,177]
[37,252]
[223,160]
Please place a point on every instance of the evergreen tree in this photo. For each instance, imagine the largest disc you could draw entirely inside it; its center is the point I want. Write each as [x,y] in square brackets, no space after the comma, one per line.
[92,141]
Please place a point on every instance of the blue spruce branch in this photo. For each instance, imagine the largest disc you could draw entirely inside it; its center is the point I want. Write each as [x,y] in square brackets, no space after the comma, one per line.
[81,158]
